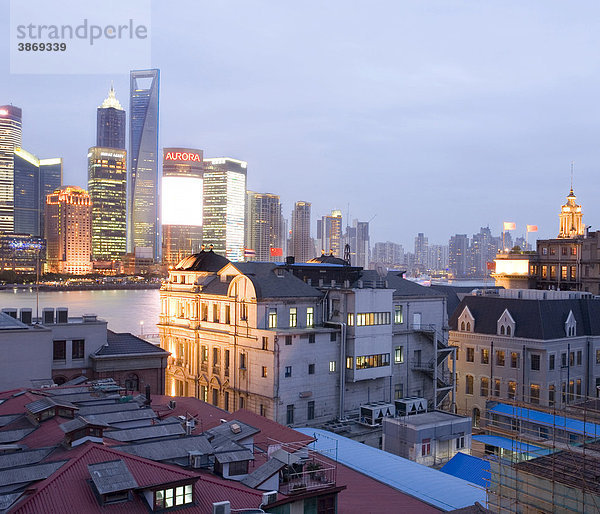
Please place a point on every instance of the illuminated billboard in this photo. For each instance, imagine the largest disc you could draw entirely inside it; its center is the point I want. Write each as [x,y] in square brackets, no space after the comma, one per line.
[512,267]
[182,201]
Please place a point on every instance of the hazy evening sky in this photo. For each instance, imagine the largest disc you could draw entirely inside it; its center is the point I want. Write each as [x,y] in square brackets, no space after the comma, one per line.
[433,116]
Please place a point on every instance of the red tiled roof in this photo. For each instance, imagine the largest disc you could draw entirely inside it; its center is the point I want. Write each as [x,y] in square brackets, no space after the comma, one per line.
[49,495]
[207,415]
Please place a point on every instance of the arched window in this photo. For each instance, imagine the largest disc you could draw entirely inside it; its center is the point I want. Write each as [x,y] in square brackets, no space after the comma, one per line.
[508,330]
[468,326]
[476,416]
[502,330]
[462,326]
[132,382]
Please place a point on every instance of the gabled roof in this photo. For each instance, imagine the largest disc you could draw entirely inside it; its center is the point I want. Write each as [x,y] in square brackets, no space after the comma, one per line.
[127,344]
[404,287]
[261,474]
[534,319]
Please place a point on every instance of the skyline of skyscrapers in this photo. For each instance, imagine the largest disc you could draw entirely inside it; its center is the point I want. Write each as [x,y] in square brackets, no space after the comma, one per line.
[144,227]
[181,199]
[224,206]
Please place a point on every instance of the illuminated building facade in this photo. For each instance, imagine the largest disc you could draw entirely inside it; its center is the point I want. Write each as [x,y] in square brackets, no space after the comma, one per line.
[571,219]
[182,193]
[107,187]
[34,179]
[21,253]
[421,252]
[144,179]
[264,226]
[458,257]
[69,231]
[10,138]
[388,254]
[301,244]
[224,206]
[329,234]
[357,236]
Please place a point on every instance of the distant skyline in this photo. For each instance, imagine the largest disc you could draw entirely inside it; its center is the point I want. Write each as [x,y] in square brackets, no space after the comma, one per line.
[436,117]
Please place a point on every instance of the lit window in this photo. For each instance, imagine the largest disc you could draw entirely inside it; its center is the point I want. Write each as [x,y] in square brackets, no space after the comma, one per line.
[272,318]
[349,362]
[399,355]
[426,447]
[398,317]
[332,366]
[310,317]
[264,372]
[293,317]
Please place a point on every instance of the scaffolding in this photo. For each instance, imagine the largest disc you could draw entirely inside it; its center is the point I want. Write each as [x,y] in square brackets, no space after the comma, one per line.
[551,462]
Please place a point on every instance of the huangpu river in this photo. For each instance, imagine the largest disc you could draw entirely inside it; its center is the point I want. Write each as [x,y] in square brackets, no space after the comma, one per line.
[126,310]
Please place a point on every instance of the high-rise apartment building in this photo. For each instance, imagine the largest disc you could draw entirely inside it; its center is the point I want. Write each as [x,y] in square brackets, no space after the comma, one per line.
[483,249]
[144,179]
[421,252]
[10,138]
[224,206]
[69,231]
[110,123]
[301,244]
[329,233]
[33,179]
[107,187]
[458,255]
[388,254]
[182,193]
[357,236]
[264,226]
[438,257]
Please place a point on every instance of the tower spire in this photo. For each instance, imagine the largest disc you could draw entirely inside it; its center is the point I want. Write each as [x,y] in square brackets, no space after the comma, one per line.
[572,168]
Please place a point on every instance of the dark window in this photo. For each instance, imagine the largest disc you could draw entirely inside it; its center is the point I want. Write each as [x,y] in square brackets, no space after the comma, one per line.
[226,358]
[333,337]
[311,410]
[535,362]
[469,384]
[238,468]
[289,418]
[470,354]
[132,382]
[311,369]
[551,362]
[215,397]
[227,314]
[60,351]
[226,401]
[563,360]
[288,371]
[311,338]
[242,361]
[551,392]
[215,356]
[579,357]
[265,343]
[78,348]
[288,340]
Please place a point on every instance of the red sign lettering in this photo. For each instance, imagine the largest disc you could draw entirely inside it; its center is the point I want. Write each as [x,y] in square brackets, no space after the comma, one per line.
[182,156]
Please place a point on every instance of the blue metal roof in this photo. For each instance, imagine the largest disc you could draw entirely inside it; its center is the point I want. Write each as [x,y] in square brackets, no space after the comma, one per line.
[467,467]
[575,426]
[427,484]
[510,444]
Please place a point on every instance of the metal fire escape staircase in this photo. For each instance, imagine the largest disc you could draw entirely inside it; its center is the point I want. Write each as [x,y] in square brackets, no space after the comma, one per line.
[443,381]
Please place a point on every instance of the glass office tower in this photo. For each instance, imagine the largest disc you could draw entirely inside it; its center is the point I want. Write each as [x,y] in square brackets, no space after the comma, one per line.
[181,198]
[10,138]
[224,209]
[144,180]
[107,187]
[110,123]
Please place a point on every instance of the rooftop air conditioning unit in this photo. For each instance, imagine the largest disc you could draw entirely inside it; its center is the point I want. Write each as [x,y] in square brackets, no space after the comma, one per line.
[221,508]
[269,497]
[410,405]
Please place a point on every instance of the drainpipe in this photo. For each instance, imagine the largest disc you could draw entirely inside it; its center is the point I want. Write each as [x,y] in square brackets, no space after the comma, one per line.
[568,372]
[276,348]
[342,365]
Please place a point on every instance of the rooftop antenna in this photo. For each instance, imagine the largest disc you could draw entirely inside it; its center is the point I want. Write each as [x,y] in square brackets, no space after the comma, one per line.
[572,166]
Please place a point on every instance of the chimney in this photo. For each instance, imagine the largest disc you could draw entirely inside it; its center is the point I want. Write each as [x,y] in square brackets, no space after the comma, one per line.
[148,397]
[290,260]
[10,311]
[47,316]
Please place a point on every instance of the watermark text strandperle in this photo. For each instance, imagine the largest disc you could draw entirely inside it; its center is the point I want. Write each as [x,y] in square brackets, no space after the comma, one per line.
[83,31]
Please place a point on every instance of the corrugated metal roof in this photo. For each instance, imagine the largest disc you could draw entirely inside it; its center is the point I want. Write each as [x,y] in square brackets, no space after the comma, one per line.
[551,420]
[11,436]
[169,449]
[510,444]
[429,485]
[467,467]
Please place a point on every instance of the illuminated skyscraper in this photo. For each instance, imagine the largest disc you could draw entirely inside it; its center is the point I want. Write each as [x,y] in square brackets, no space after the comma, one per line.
[10,138]
[183,169]
[301,244]
[458,255]
[107,187]
[68,231]
[421,252]
[571,219]
[144,180]
[357,236]
[33,179]
[329,233]
[264,226]
[110,123]
[224,206]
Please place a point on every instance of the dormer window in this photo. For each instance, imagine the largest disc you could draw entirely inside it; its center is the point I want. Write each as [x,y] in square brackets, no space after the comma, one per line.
[506,324]
[112,481]
[170,497]
[571,325]
[466,321]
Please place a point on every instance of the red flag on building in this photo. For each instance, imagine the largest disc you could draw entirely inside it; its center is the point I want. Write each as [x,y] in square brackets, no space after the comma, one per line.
[276,252]
[532,228]
[491,266]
